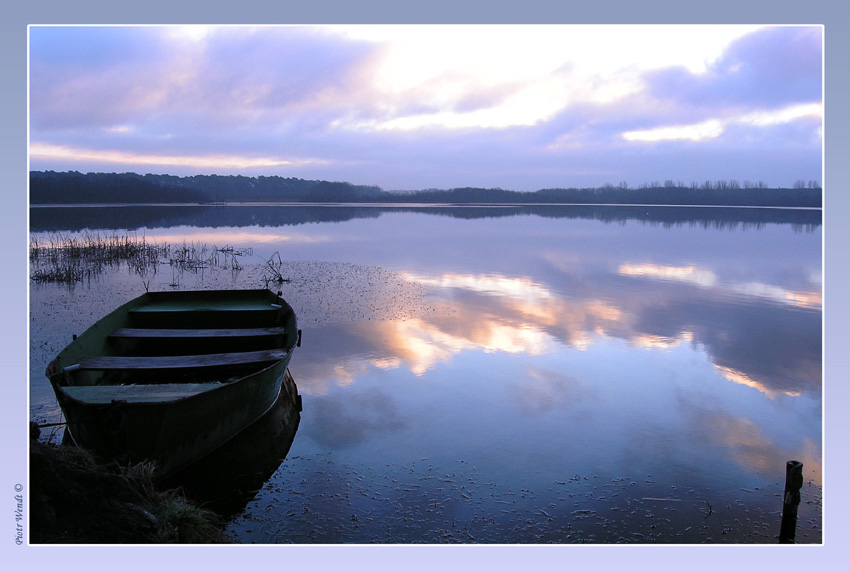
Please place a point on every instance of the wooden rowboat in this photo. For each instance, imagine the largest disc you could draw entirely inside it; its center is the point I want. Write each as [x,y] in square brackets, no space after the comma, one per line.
[170,376]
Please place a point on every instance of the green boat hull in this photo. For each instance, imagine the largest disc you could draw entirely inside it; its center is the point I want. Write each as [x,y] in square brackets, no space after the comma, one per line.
[171,376]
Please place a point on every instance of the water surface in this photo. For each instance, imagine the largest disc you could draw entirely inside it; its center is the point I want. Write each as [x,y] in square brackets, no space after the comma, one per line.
[531,375]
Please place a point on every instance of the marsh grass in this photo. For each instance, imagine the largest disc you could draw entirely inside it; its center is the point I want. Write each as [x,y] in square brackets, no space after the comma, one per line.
[68,260]
[80,259]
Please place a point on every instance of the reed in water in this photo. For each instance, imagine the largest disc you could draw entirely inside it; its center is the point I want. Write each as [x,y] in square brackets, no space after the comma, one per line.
[72,259]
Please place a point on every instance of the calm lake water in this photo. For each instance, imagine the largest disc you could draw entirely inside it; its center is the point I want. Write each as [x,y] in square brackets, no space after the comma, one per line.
[570,374]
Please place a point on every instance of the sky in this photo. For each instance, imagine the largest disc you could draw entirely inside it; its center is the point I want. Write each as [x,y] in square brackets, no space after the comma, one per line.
[407,107]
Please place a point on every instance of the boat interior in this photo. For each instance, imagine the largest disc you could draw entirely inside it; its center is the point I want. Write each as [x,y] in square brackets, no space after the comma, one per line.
[174,342]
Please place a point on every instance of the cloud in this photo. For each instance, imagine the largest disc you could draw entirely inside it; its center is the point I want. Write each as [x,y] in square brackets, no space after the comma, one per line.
[84,77]
[405,107]
[264,70]
[229,77]
[770,68]
[762,94]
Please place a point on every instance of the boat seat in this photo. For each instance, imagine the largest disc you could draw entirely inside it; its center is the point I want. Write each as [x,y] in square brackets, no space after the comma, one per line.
[207,306]
[232,314]
[196,333]
[105,394]
[139,363]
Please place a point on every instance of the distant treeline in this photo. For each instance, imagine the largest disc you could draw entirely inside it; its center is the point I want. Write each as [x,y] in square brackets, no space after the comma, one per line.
[49,187]
[76,188]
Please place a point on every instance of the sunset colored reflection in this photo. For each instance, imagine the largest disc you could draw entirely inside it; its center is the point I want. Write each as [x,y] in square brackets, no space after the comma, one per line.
[708,279]
[743,379]
[518,316]
[680,273]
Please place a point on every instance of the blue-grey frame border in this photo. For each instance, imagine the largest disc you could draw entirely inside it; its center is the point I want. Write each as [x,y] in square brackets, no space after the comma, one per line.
[13,290]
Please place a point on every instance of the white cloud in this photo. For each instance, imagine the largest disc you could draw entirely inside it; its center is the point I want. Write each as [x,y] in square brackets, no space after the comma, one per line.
[705,130]
[539,70]
[780,116]
[714,128]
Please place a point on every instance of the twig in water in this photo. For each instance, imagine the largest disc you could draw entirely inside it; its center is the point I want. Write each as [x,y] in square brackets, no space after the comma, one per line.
[273,266]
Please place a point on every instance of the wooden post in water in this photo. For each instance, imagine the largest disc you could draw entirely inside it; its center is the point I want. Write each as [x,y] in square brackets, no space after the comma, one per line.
[793,483]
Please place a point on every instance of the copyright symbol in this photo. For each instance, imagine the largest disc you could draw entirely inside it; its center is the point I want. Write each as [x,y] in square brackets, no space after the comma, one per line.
[19,487]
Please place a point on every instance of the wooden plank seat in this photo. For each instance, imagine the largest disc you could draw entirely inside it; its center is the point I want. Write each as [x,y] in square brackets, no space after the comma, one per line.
[177,362]
[207,306]
[233,314]
[162,392]
[196,333]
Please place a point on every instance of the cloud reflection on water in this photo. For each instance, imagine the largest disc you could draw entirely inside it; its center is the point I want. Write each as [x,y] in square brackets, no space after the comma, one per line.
[345,419]
[750,446]
[708,279]
[727,343]
[519,316]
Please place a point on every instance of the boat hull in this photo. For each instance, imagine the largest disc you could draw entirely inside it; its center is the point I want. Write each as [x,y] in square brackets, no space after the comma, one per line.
[122,423]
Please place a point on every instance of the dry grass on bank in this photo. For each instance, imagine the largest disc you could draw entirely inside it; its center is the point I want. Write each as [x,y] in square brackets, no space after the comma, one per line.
[75,500]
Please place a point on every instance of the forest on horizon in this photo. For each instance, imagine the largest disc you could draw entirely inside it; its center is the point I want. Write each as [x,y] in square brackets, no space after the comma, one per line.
[72,187]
